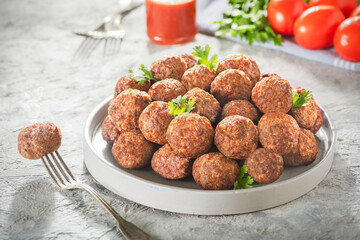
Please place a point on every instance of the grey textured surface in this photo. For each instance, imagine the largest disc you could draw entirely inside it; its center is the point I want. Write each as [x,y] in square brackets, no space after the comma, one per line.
[40,82]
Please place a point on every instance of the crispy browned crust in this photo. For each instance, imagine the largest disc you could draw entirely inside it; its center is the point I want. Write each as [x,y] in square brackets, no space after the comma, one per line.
[166,90]
[278,132]
[305,152]
[190,135]
[132,150]
[243,63]
[236,137]
[127,82]
[273,94]
[168,67]
[154,120]
[126,108]
[170,166]
[264,165]
[38,140]
[206,105]
[240,107]
[189,59]
[109,131]
[309,117]
[230,85]
[214,171]
[199,76]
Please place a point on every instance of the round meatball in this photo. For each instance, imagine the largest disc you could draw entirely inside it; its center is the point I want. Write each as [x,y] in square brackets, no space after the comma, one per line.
[231,85]
[309,117]
[109,131]
[132,150]
[206,105]
[189,59]
[305,152]
[243,63]
[273,94]
[214,171]
[166,90]
[127,82]
[170,166]
[168,67]
[38,140]
[154,121]
[240,107]
[126,108]
[236,137]
[278,132]
[199,76]
[264,166]
[190,135]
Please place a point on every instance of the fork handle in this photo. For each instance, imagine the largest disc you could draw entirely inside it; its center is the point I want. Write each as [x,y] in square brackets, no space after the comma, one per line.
[129,230]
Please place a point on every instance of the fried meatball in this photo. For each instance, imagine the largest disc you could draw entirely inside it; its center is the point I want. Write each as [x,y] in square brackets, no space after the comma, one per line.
[309,117]
[170,166]
[264,166]
[189,59]
[126,108]
[109,131]
[236,137]
[168,67]
[278,132]
[240,107]
[132,150]
[199,76]
[243,63]
[230,85]
[206,105]
[127,82]
[273,94]
[166,90]
[38,140]
[214,171]
[305,152]
[190,135]
[154,121]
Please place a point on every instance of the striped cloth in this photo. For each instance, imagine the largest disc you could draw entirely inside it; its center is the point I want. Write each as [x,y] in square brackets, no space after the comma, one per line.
[209,11]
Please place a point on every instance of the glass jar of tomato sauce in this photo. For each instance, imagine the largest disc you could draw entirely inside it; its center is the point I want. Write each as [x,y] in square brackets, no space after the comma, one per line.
[171,21]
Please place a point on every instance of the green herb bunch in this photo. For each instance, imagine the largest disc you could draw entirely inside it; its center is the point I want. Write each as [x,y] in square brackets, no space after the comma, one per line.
[203,54]
[247,19]
[144,77]
[181,105]
[300,100]
[243,181]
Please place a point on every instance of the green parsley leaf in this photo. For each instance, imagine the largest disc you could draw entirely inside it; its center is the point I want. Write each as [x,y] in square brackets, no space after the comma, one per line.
[179,105]
[243,182]
[247,19]
[144,77]
[203,55]
[302,99]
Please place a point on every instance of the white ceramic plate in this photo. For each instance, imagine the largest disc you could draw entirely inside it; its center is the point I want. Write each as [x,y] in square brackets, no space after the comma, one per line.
[147,188]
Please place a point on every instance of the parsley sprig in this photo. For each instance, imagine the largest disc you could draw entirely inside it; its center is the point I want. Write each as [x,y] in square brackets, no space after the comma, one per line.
[243,182]
[144,77]
[301,99]
[181,105]
[203,54]
[247,19]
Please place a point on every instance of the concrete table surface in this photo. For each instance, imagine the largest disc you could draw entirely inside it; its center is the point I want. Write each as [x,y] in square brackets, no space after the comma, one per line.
[39,81]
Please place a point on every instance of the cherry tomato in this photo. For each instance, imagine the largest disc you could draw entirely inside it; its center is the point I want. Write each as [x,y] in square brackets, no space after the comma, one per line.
[356,12]
[346,6]
[347,39]
[316,26]
[283,13]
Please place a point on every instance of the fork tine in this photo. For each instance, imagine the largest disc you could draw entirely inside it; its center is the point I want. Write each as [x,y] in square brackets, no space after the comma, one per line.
[105,45]
[52,171]
[82,47]
[92,48]
[61,170]
[119,41]
[64,166]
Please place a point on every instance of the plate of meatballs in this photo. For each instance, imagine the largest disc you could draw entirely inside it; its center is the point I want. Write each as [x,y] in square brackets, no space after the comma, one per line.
[181,135]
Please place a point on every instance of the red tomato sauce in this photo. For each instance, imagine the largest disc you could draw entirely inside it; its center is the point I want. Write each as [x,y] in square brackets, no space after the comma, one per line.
[171,22]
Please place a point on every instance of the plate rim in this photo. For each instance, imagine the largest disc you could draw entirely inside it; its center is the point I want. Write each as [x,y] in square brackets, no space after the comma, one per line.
[87,140]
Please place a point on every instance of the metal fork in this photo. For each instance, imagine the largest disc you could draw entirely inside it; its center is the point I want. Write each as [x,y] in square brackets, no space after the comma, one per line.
[110,31]
[62,176]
